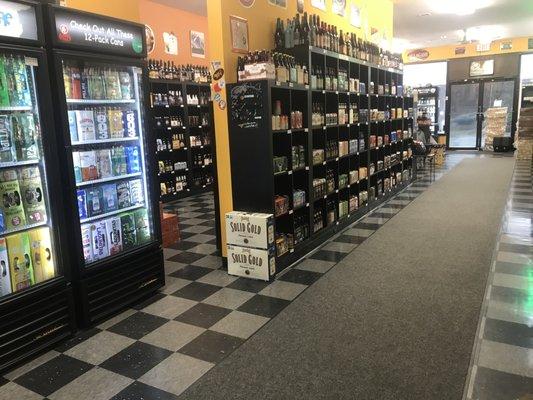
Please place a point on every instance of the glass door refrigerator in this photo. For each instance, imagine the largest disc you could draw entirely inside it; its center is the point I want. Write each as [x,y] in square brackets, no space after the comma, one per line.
[109,180]
[36,302]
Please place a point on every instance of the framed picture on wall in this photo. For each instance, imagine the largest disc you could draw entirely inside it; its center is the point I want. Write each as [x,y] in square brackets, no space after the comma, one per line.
[239,34]
[171,43]
[339,7]
[355,16]
[197,44]
[320,4]
[279,3]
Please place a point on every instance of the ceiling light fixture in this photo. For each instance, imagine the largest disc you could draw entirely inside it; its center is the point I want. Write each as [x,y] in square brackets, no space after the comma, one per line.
[458,7]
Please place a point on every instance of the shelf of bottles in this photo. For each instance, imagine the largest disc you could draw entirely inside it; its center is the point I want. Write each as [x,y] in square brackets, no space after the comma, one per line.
[181,123]
[27,255]
[354,147]
[107,140]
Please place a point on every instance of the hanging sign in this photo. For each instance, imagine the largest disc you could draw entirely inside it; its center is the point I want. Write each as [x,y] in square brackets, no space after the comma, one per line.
[18,20]
[94,32]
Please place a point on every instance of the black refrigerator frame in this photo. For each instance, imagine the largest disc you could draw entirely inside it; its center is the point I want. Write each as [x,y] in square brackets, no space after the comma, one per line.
[107,286]
[39,317]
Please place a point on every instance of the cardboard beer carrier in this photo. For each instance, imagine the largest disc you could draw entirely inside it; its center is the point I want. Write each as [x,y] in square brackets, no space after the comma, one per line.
[251,247]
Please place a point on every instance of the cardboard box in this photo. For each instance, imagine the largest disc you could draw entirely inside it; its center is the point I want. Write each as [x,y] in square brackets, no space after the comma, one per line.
[251,263]
[250,229]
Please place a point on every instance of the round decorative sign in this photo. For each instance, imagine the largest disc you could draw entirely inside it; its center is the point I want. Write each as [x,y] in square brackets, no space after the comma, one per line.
[247,3]
[150,38]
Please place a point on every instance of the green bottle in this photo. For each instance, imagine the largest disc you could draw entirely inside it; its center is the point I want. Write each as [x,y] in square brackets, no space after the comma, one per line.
[4,92]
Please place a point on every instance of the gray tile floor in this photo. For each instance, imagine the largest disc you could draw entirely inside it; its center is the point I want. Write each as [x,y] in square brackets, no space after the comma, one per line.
[157,349]
[502,362]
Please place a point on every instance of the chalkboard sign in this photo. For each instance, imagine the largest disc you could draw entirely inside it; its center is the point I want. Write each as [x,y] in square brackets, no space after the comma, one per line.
[247,105]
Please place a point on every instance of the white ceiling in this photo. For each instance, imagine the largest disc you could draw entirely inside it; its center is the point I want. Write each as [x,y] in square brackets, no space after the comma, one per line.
[422,24]
[194,6]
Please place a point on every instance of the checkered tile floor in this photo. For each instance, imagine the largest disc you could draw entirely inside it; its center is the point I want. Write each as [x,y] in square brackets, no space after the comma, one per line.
[503,354]
[158,348]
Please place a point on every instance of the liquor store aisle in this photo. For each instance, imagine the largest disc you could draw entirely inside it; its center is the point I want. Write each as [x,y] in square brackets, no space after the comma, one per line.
[158,348]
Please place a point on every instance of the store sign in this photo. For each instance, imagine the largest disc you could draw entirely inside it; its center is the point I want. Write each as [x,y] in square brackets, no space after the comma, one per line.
[17,20]
[417,55]
[460,51]
[506,45]
[99,33]
[482,68]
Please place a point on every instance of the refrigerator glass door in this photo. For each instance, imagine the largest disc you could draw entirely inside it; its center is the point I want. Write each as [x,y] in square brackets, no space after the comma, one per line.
[107,138]
[27,255]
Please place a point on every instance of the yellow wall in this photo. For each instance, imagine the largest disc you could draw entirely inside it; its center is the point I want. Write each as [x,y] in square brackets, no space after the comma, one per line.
[261,18]
[123,9]
[519,45]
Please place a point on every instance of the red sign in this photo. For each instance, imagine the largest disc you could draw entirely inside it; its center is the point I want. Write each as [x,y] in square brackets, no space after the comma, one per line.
[419,54]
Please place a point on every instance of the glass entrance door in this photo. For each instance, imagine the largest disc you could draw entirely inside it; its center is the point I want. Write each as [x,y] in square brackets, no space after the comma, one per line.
[464,115]
[479,110]
[498,107]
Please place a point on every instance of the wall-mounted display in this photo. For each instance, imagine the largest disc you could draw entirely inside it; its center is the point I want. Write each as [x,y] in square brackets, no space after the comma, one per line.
[197,44]
[171,43]
[239,34]
[482,68]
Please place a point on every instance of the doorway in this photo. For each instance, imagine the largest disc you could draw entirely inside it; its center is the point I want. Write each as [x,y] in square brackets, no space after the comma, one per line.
[467,103]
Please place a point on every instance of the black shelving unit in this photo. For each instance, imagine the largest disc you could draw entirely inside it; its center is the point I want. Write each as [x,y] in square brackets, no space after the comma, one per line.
[428,101]
[257,179]
[196,178]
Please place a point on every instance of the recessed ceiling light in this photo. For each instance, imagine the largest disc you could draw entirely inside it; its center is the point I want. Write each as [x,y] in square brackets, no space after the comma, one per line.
[443,36]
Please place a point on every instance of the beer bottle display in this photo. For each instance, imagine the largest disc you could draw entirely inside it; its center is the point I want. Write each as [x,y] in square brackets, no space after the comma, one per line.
[26,242]
[104,118]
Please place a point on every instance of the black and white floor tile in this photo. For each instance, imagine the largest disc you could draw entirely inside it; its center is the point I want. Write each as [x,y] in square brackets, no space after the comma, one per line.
[502,366]
[158,348]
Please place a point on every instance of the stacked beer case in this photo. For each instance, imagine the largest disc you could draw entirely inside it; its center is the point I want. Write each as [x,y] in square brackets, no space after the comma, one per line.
[495,125]
[251,249]
[524,141]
